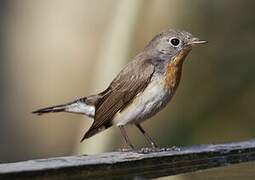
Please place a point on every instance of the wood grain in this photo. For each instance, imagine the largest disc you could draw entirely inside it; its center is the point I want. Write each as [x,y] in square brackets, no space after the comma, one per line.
[127,165]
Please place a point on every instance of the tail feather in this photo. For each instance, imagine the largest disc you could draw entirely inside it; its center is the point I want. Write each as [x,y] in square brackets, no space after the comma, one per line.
[80,106]
[86,105]
[58,108]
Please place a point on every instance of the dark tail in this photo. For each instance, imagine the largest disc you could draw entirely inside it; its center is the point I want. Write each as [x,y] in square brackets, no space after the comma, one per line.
[58,108]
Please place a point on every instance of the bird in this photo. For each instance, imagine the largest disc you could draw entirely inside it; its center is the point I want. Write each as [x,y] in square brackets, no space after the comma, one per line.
[142,88]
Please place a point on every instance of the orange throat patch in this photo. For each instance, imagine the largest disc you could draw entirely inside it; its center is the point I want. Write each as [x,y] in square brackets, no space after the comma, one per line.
[174,70]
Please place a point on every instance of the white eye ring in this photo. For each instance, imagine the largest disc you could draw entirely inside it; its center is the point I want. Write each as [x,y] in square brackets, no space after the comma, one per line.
[174,41]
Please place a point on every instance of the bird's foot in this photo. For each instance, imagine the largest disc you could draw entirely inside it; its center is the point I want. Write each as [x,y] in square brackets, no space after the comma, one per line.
[150,150]
[157,149]
[146,150]
[125,149]
[173,148]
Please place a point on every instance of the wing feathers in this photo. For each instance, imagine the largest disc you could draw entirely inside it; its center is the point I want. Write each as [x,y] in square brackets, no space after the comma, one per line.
[131,81]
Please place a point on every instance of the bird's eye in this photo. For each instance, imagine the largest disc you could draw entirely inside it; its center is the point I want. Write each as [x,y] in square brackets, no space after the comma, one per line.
[174,41]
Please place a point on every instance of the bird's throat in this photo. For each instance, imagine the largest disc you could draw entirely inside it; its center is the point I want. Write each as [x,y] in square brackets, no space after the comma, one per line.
[174,70]
[179,57]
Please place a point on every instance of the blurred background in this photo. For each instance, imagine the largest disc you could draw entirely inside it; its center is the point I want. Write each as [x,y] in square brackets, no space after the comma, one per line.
[54,51]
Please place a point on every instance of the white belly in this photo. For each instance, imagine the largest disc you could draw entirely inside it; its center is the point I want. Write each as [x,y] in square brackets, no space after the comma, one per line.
[145,105]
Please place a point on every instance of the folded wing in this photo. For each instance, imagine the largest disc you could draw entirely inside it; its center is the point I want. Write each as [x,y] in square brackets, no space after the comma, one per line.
[131,81]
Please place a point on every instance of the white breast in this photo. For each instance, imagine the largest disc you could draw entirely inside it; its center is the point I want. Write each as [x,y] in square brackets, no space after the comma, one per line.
[146,104]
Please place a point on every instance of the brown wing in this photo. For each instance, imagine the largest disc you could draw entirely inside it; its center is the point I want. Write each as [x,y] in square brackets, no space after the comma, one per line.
[131,81]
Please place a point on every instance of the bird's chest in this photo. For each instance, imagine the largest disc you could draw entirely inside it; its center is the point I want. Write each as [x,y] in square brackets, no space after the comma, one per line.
[147,103]
[174,70]
[156,95]
[173,77]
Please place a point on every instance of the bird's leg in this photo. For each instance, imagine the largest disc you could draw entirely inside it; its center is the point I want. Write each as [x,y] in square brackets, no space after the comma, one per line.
[124,134]
[147,137]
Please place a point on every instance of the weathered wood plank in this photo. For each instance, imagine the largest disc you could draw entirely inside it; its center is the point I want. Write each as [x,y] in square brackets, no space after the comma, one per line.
[127,165]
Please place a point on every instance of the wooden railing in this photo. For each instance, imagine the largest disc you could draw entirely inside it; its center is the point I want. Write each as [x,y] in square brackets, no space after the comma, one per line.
[128,165]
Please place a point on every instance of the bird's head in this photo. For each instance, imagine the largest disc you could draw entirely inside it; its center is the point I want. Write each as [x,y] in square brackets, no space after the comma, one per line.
[170,43]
